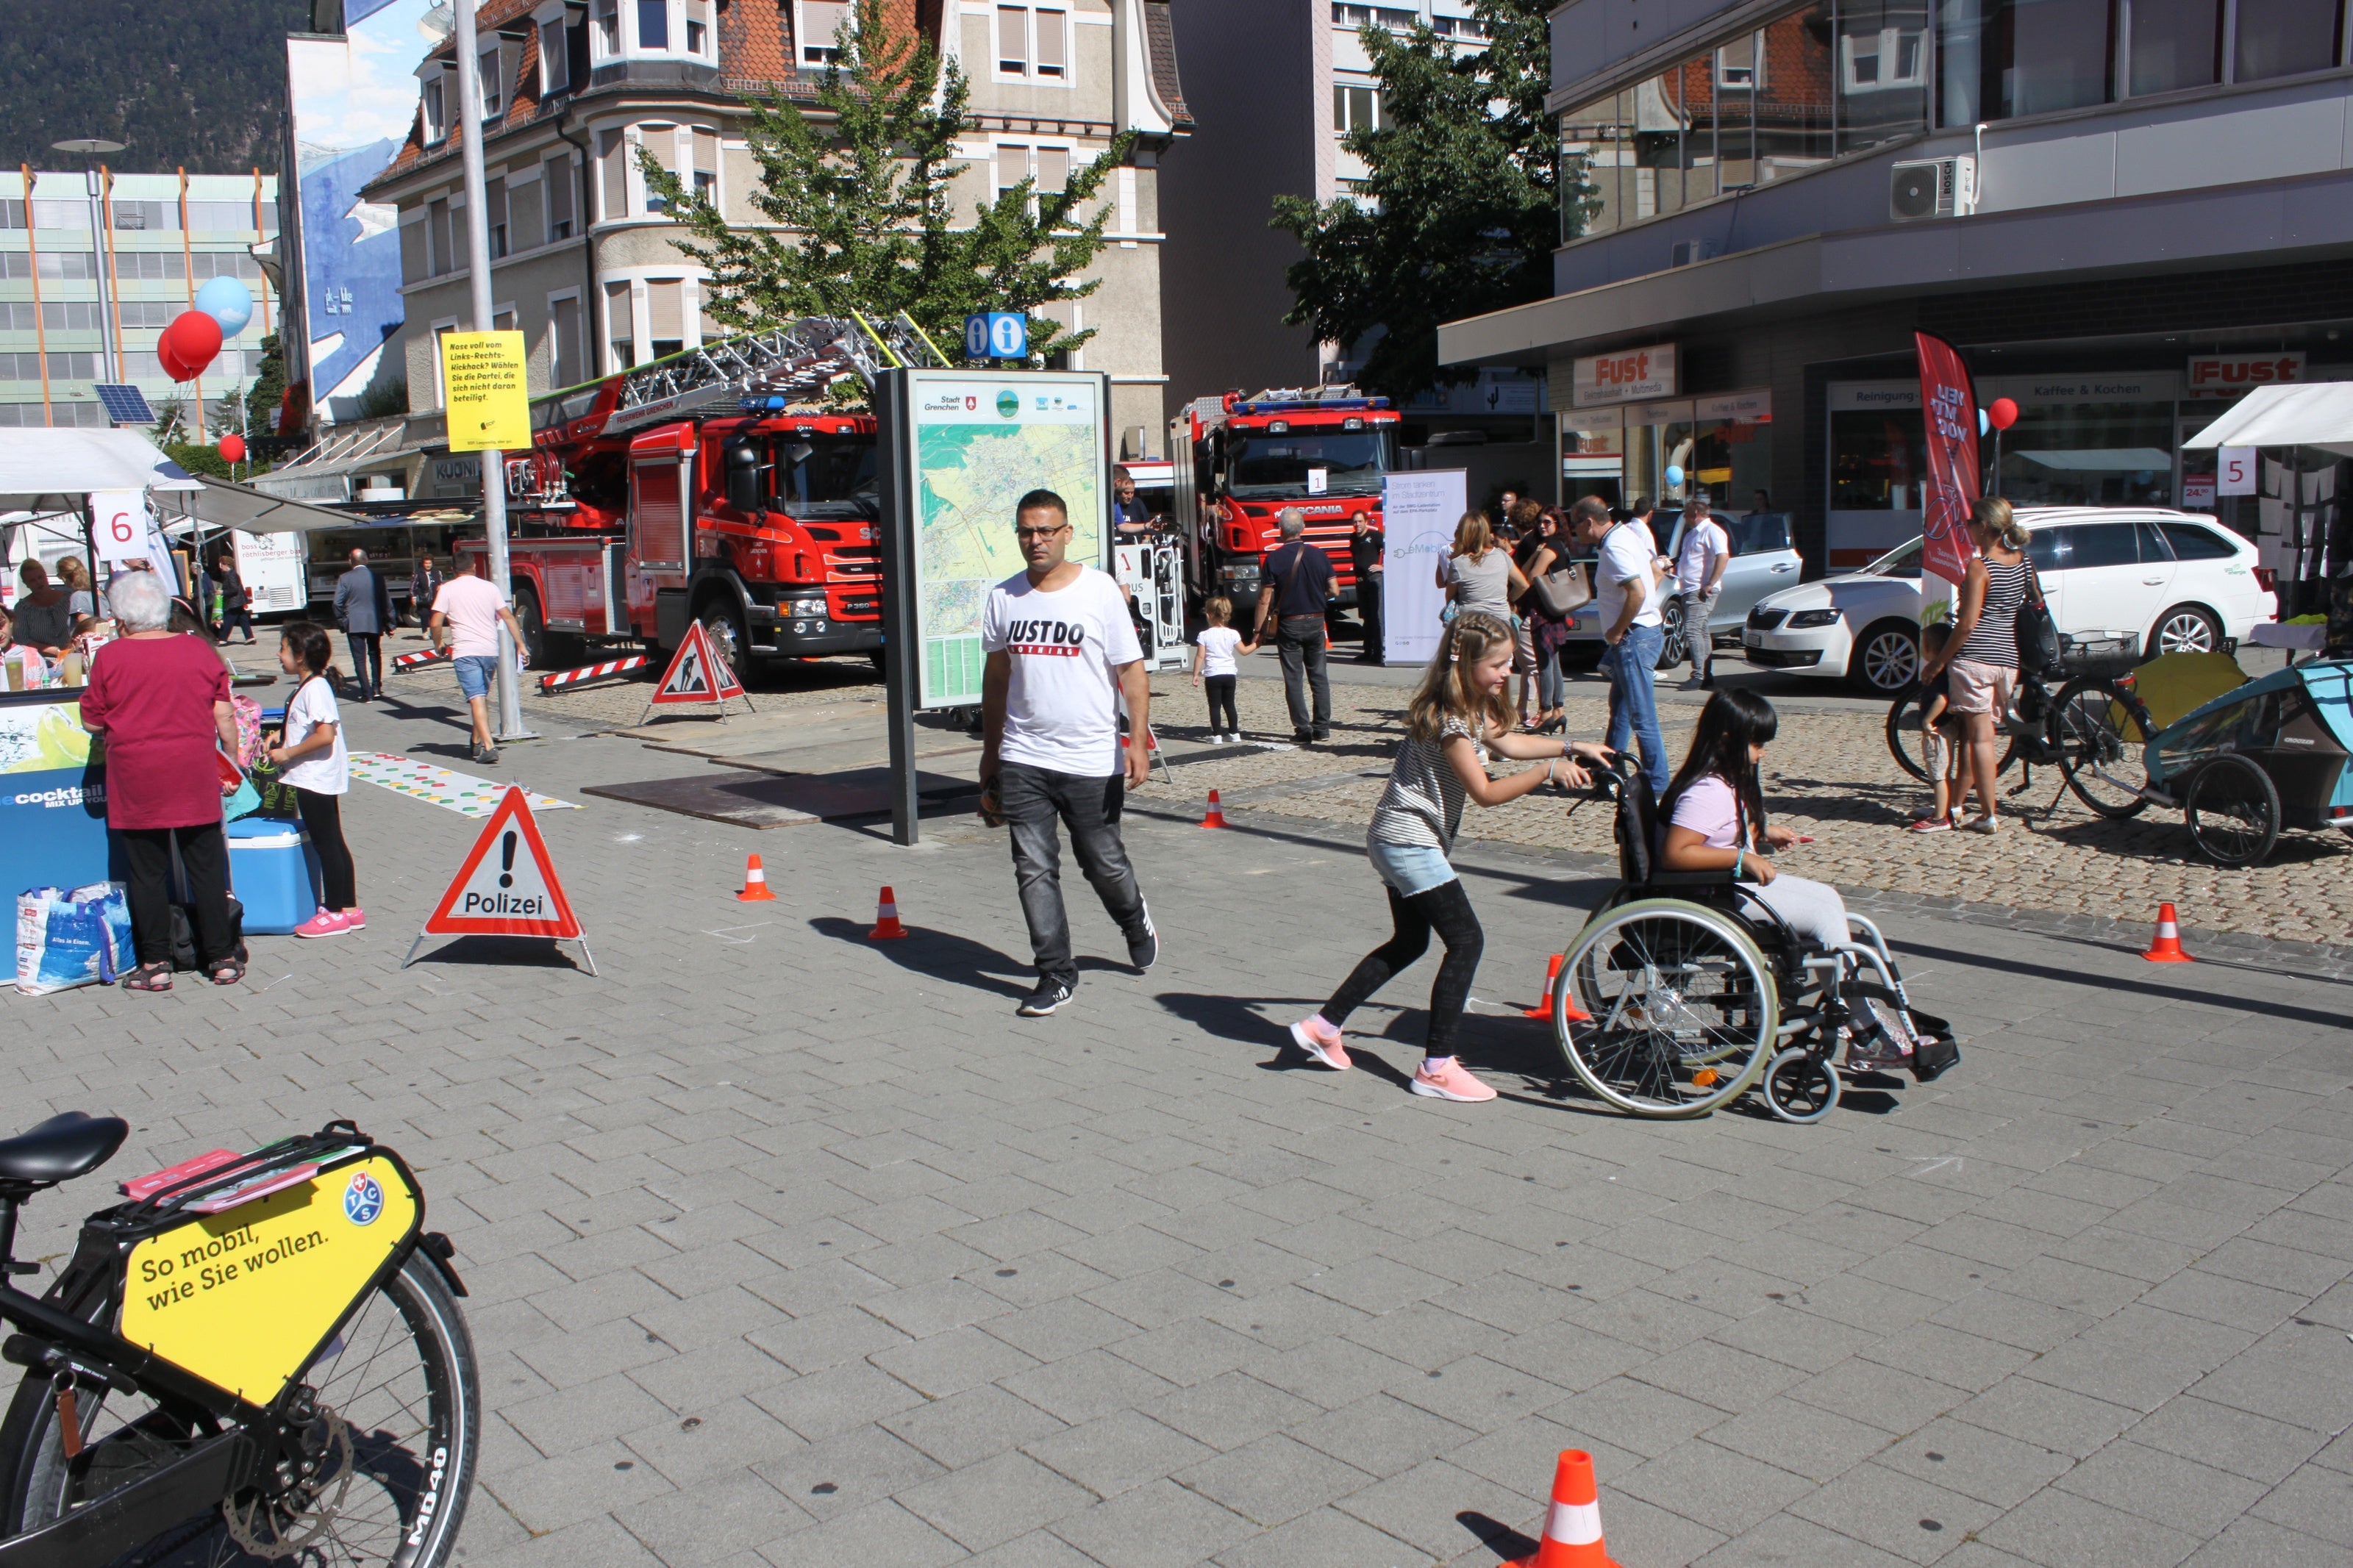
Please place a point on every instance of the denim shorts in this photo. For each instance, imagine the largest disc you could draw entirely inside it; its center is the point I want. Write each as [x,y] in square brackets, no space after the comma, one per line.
[1410,869]
[475,673]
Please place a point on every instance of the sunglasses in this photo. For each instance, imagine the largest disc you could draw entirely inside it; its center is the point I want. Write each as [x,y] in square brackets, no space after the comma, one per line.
[1039,532]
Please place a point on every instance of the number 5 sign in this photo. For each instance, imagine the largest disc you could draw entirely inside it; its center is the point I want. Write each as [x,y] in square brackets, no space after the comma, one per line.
[2235,471]
[118,524]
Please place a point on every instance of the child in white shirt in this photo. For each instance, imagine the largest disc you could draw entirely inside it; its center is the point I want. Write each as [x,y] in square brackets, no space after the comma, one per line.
[1214,666]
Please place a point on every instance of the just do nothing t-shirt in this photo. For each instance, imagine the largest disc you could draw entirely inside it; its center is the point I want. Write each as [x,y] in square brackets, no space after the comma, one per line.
[1061,708]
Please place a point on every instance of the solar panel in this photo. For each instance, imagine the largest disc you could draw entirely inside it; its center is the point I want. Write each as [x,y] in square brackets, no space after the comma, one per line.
[125,405]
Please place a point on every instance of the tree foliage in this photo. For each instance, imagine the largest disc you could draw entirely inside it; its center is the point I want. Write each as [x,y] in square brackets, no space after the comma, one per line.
[1461,208]
[858,213]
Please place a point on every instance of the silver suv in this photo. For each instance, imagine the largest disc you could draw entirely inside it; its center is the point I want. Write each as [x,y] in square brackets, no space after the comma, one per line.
[1764,560]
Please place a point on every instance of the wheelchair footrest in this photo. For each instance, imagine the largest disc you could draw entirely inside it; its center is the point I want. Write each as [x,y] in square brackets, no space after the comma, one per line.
[1935,1050]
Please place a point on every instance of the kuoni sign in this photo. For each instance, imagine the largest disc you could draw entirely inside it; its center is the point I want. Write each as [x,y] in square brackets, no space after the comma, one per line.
[485,390]
[1629,375]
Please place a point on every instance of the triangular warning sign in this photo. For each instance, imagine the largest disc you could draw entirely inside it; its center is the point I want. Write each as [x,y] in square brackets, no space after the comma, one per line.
[507,886]
[696,673]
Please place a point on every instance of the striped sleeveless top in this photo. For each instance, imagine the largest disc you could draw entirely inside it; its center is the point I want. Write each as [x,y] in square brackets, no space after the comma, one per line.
[1994,640]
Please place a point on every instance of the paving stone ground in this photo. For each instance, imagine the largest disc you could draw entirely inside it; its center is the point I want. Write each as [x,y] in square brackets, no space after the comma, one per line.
[787,1247]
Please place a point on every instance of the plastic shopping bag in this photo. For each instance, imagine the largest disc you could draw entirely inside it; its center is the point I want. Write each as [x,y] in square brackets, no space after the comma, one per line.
[69,939]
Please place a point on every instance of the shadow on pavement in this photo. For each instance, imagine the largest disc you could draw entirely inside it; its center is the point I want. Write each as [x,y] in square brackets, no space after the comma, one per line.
[939,955]
[503,951]
[2136,987]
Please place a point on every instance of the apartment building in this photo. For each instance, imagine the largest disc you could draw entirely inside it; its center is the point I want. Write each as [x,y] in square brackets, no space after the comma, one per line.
[587,265]
[94,265]
[2123,211]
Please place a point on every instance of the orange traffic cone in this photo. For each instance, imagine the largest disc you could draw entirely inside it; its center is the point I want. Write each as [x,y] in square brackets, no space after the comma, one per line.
[886,919]
[2166,946]
[1572,1526]
[756,885]
[1542,1009]
[1216,817]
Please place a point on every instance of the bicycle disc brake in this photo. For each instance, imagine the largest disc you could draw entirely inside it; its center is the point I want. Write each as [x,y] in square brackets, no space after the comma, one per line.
[275,1527]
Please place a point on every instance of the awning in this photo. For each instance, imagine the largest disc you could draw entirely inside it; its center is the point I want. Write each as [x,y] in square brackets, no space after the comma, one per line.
[51,470]
[221,504]
[2318,414]
[2103,459]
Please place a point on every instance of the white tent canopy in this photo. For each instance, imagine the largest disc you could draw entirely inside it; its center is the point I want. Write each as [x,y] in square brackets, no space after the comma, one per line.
[2317,414]
[51,470]
[221,504]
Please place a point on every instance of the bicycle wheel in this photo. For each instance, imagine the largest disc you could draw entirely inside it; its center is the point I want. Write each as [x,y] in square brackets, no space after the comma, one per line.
[399,1422]
[2091,725]
[1684,1008]
[2233,811]
[1903,733]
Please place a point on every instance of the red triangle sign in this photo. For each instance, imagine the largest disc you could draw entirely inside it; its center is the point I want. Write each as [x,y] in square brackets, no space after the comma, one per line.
[507,886]
[696,673]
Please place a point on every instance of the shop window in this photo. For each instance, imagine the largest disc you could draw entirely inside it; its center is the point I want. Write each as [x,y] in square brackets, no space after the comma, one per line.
[2002,58]
[1878,457]
[2282,37]
[2175,44]
[2089,454]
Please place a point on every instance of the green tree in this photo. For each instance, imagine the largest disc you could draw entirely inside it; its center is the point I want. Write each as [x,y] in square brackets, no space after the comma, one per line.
[857,213]
[267,392]
[1461,204]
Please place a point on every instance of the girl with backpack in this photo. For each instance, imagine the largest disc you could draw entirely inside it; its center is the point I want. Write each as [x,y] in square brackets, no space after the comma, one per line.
[317,765]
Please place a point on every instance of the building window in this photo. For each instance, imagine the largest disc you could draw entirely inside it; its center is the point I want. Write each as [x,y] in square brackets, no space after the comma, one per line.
[706,165]
[661,141]
[818,28]
[563,363]
[440,256]
[1033,43]
[1356,109]
[1395,18]
[1050,167]
[608,29]
[1468,28]
[2283,37]
[698,26]
[653,23]
[556,188]
[2175,44]
[1891,58]
[494,214]
[613,174]
[2002,58]
[1740,64]
[437,120]
[554,61]
[665,317]
[620,327]
[488,79]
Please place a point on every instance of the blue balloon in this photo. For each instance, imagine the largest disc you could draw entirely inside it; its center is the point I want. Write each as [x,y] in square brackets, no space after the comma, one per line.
[1674,476]
[228,302]
[1984,424]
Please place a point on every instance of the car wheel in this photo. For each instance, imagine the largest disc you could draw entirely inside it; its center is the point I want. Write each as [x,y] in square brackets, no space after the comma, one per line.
[1886,659]
[2185,628]
[1673,648]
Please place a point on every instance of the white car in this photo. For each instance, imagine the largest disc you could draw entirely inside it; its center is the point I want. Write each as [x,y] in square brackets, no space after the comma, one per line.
[2125,582]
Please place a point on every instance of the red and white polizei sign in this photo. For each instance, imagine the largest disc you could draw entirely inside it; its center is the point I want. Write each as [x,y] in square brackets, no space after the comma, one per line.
[2226,375]
[1629,375]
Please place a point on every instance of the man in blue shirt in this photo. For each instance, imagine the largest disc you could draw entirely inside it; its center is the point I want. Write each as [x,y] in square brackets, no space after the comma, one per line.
[1297,586]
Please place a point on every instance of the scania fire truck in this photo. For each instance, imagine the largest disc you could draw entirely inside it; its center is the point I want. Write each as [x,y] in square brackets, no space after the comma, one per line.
[1240,460]
[710,486]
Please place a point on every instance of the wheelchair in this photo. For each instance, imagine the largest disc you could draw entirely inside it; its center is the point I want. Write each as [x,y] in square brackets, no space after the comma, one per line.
[1696,993]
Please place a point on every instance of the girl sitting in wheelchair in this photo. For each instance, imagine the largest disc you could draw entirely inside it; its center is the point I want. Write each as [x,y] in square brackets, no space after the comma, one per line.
[1714,820]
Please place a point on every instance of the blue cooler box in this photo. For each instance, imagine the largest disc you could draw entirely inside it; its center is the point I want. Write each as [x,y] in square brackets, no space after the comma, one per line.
[273,874]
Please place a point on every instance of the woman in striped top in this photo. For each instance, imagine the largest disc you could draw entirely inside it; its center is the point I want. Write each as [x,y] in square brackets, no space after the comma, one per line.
[1458,713]
[1983,648]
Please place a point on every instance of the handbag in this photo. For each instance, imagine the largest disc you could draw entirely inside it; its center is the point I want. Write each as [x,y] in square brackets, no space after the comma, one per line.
[1563,591]
[2037,632]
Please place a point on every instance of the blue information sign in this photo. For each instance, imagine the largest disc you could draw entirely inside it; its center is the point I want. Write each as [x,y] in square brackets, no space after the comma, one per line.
[999,334]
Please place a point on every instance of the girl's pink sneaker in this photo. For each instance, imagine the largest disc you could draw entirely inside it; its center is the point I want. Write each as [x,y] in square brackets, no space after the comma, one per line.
[326,922]
[1321,1041]
[353,919]
[1450,1081]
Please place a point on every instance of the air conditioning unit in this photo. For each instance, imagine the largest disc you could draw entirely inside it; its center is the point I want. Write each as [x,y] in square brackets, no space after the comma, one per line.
[1686,252]
[1933,187]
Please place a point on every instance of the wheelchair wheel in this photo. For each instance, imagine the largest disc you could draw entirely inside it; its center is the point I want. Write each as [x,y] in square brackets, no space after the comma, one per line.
[1799,1086]
[1684,1008]
[2091,725]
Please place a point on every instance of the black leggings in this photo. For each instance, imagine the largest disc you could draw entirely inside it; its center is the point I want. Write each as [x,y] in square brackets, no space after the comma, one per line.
[322,819]
[1220,689]
[1445,909]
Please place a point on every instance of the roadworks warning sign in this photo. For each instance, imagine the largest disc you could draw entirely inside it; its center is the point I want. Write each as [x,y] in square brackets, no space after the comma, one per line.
[507,886]
[697,674]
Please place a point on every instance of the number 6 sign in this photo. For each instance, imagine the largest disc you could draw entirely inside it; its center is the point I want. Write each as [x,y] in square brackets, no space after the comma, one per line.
[118,524]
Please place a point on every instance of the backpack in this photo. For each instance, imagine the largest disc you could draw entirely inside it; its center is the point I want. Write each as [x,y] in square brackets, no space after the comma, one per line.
[183,935]
[249,748]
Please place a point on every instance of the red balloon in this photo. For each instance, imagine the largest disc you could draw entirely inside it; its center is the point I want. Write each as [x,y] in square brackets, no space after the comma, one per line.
[173,366]
[195,338]
[2001,413]
[232,448]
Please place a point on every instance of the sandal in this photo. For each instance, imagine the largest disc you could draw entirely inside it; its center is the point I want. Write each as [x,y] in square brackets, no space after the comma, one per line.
[228,971]
[147,977]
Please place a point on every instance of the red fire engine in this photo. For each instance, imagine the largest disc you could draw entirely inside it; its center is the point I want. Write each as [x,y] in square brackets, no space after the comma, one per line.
[1239,461]
[706,486]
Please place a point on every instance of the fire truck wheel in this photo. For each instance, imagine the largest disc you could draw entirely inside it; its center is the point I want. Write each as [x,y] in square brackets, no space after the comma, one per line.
[723,623]
[533,624]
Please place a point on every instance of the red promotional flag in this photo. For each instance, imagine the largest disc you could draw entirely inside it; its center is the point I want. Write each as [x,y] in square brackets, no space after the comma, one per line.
[1949,405]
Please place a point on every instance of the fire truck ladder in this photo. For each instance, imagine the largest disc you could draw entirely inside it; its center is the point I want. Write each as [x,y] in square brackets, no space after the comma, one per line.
[797,361]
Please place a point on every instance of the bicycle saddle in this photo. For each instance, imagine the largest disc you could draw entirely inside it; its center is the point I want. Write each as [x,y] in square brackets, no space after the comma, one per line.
[61,1148]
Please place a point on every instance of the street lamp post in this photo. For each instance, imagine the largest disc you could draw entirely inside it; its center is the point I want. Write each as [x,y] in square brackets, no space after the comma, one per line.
[90,147]
[477,266]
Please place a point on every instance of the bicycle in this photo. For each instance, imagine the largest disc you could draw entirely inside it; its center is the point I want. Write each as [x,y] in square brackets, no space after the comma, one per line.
[2082,730]
[256,1357]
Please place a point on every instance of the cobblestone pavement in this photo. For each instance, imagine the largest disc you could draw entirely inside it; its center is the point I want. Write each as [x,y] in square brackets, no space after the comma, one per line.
[791,1248]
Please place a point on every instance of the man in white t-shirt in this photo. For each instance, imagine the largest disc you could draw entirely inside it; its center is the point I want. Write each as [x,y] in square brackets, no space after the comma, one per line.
[466,615]
[1699,581]
[1625,589]
[1061,655]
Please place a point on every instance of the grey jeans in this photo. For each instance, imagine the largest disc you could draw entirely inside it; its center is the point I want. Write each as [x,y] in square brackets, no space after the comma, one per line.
[1299,640]
[1033,801]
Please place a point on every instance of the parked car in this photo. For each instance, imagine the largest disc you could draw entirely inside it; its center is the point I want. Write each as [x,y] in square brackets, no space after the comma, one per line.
[2123,583]
[1763,562]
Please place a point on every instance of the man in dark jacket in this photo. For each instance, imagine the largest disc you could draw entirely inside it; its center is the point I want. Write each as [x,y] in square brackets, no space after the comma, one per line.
[363,609]
[1365,545]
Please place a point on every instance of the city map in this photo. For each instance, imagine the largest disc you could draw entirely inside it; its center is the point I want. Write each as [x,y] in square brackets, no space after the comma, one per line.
[982,442]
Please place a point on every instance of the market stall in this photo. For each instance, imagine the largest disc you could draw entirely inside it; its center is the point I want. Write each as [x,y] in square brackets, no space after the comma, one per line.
[2297,424]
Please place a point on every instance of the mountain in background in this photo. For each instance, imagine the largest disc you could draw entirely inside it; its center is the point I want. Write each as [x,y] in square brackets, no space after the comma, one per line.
[193,83]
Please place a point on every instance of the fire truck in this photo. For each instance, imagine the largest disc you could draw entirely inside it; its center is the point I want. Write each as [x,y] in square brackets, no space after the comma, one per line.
[1240,460]
[711,486]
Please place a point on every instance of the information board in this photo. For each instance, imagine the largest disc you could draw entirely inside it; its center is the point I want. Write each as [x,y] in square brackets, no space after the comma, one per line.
[976,443]
[485,389]
[1418,513]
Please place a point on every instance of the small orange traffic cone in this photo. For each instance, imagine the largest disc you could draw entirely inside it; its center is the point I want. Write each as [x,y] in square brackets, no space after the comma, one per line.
[1572,1526]
[886,919]
[1542,1009]
[756,885]
[1216,817]
[2166,946]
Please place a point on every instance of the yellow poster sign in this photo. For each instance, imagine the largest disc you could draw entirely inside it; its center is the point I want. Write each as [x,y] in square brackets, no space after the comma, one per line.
[486,391]
[242,1298]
